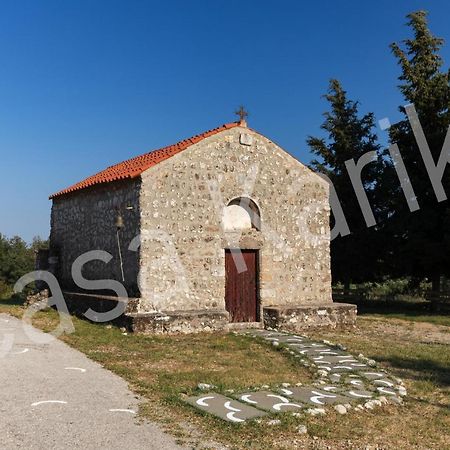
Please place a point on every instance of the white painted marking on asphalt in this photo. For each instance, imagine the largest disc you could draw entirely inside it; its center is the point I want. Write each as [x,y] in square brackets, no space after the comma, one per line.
[385,391]
[246,399]
[278,406]
[286,391]
[201,401]
[231,408]
[386,383]
[230,416]
[25,350]
[318,396]
[49,401]
[354,394]
[285,402]
[377,374]
[75,368]
[283,399]
[130,411]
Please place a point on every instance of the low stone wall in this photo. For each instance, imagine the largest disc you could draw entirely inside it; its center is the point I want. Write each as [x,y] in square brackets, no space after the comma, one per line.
[37,297]
[78,303]
[178,321]
[295,319]
[148,323]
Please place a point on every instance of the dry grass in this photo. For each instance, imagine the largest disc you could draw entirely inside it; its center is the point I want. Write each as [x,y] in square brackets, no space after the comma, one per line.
[162,369]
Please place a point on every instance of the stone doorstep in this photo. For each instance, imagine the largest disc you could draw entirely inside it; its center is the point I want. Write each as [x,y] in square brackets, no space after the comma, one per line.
[313,315]
[311,307]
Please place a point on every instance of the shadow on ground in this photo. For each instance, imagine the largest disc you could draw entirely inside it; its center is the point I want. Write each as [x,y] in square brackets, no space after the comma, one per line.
[421,369]
[410,308]
[15,300]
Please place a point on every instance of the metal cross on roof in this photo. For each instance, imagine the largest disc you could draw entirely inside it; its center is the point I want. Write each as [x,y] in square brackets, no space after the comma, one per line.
[242,113]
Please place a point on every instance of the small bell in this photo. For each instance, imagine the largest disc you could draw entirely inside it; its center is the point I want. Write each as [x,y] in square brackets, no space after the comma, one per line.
[119,222]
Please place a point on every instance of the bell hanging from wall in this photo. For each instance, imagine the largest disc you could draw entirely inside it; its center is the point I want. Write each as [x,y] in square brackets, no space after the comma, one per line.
[119,222]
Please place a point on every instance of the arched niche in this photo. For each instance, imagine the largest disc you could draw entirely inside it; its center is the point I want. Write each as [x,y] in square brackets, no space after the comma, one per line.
[241,214]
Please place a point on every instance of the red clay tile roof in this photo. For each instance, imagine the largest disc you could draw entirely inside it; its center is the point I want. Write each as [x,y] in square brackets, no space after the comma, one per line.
[134,167]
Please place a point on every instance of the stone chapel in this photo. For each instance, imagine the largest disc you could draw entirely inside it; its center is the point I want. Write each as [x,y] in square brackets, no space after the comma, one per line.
[219,230]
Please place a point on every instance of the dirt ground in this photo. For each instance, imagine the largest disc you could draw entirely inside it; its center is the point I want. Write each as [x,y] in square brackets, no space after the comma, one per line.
[423,332]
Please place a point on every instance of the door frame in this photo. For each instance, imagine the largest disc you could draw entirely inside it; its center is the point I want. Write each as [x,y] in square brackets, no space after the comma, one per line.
[257,251]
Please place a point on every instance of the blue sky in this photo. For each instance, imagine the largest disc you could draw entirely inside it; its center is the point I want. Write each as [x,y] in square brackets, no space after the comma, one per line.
[88,83]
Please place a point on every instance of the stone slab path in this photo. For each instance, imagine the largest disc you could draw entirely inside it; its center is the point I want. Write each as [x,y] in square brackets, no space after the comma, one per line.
[54,397]
[343,381]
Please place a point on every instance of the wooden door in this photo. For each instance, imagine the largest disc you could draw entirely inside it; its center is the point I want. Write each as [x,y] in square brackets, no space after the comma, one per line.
[241,283]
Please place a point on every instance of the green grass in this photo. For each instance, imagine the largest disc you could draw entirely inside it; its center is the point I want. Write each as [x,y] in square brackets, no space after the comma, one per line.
[164,368]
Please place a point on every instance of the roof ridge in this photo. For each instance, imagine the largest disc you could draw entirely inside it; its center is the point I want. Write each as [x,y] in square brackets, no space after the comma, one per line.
[133,167]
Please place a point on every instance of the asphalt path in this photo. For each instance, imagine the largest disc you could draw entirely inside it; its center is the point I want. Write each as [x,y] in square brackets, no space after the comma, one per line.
[54,397]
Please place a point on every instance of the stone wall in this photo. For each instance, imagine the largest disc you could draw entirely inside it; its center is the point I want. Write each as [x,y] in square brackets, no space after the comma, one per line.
[300,318]
[182,201]
[85,220]
[183,322]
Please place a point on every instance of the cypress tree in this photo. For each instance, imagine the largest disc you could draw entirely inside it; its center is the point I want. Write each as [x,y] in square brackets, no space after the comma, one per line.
[421,238]
[349,136]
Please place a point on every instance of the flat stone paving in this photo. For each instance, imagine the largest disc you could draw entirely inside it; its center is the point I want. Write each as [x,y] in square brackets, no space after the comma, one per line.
[343,379]
[225,408]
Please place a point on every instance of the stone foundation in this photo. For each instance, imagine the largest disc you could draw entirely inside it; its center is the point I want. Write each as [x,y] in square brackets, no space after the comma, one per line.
[178,321]
[284,318]
[303,317]
[78,303]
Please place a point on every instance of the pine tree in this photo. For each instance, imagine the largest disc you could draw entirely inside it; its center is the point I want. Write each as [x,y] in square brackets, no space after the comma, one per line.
[353,257]
[422,237]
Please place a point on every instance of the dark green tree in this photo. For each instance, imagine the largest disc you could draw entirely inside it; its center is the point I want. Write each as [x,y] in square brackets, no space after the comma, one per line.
[38,243]
[16,259]
[348,137]
[421,238]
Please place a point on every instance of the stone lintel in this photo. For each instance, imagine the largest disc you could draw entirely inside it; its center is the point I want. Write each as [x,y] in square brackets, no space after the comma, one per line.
[314,315]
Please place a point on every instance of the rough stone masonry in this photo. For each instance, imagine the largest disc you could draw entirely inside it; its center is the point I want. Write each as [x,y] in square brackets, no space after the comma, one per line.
[181,208]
